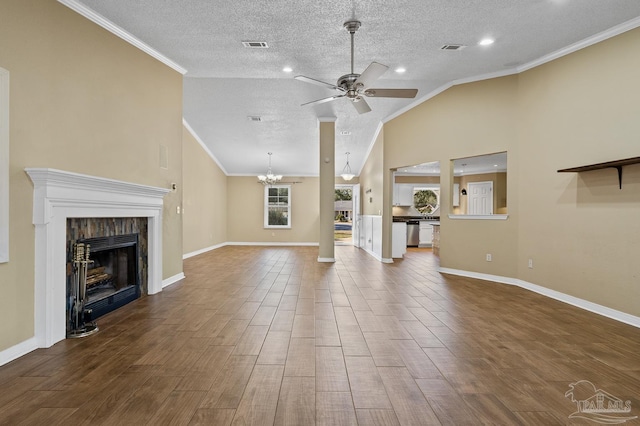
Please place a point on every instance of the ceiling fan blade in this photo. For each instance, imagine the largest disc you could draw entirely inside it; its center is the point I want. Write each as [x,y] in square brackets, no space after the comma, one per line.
[317,82]
[391,93]
[361,106]
[320,101]
[371,74]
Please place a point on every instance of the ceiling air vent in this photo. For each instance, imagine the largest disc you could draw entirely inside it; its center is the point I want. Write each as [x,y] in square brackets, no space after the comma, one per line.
[453,47]
[255,44]
[254,118]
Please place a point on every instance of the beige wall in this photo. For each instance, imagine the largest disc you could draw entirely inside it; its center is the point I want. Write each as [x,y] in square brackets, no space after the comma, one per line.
[466,120]
[581,230]
[204,198]
[82,100]
[371,179]
[245,211]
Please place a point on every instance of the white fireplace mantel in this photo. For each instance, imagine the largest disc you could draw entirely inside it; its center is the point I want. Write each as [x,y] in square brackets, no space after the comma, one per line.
[59,195]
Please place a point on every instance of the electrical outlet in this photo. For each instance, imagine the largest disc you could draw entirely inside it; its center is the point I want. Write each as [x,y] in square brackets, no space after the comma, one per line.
[531,263]
[488,257]
[178,209]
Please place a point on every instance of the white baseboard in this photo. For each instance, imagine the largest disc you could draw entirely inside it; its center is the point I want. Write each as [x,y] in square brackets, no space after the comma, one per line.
[479,276]
[553,294]
[386,260]
[15,352]
[172,280]
[269,243]
[583,304]
[373,254]
[204,250]
[243,243]
[326,260]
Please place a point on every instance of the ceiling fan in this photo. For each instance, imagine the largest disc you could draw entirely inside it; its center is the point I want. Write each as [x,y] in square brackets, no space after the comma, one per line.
[354,86]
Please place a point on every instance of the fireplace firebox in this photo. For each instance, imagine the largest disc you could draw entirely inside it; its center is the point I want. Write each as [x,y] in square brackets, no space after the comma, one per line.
[112,276]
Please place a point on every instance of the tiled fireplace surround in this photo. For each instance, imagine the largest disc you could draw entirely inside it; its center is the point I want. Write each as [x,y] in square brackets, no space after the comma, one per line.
[60,195]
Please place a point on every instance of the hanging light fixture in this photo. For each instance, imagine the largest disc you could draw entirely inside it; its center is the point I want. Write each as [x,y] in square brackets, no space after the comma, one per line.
[270,178]
[346,172]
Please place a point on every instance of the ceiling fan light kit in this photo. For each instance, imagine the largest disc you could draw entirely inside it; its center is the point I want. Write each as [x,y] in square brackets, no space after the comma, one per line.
[354,86]
[269,178]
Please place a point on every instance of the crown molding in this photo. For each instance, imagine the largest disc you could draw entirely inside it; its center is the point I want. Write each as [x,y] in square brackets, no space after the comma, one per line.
[373,142]
[124,35]
[205,147]
[589,41]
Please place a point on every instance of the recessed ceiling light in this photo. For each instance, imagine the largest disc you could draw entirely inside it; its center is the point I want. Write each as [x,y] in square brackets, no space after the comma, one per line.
[495,165]
[486,41]
[287,69]
[401,70]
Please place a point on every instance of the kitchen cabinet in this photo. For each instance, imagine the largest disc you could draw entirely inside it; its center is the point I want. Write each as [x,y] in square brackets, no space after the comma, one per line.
[398,239]
[426,234]
[402,194]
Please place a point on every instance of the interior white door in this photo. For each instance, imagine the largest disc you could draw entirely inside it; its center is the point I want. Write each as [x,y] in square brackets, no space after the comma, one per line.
[355,221]
[480,198]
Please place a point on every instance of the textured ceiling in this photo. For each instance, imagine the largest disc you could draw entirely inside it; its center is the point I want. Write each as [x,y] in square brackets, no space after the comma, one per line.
[226,82]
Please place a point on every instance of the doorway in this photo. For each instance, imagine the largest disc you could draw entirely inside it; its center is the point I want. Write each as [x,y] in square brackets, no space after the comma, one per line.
[346,214]
[480,198]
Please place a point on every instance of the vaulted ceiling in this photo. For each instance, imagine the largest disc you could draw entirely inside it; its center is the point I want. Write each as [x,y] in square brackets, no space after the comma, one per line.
[225,82]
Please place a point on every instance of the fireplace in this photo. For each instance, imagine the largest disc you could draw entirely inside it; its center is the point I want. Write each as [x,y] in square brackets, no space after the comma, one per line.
[61,195]
[117,272]
[113,277]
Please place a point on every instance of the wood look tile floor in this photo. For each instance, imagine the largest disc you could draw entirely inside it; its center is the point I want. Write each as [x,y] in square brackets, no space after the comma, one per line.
[262,336]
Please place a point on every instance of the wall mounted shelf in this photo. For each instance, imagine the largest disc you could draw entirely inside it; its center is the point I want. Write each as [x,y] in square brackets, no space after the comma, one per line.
[618,164]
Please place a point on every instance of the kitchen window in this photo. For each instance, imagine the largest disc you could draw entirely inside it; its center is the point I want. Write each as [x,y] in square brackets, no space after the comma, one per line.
[277,206]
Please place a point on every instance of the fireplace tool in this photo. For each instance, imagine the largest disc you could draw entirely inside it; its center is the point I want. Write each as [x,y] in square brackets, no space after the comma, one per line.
[79,317]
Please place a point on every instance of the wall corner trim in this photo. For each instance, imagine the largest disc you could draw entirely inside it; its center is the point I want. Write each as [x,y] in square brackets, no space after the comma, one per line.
[553,294]
[4,165]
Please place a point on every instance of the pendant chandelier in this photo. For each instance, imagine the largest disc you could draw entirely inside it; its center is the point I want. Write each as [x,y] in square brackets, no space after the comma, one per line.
[346,172]
[270,178]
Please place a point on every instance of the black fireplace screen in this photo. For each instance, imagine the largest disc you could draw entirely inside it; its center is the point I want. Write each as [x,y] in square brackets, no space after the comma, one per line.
[113,277]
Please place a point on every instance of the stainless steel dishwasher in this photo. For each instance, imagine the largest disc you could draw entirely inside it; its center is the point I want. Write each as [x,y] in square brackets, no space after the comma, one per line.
[413,233]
